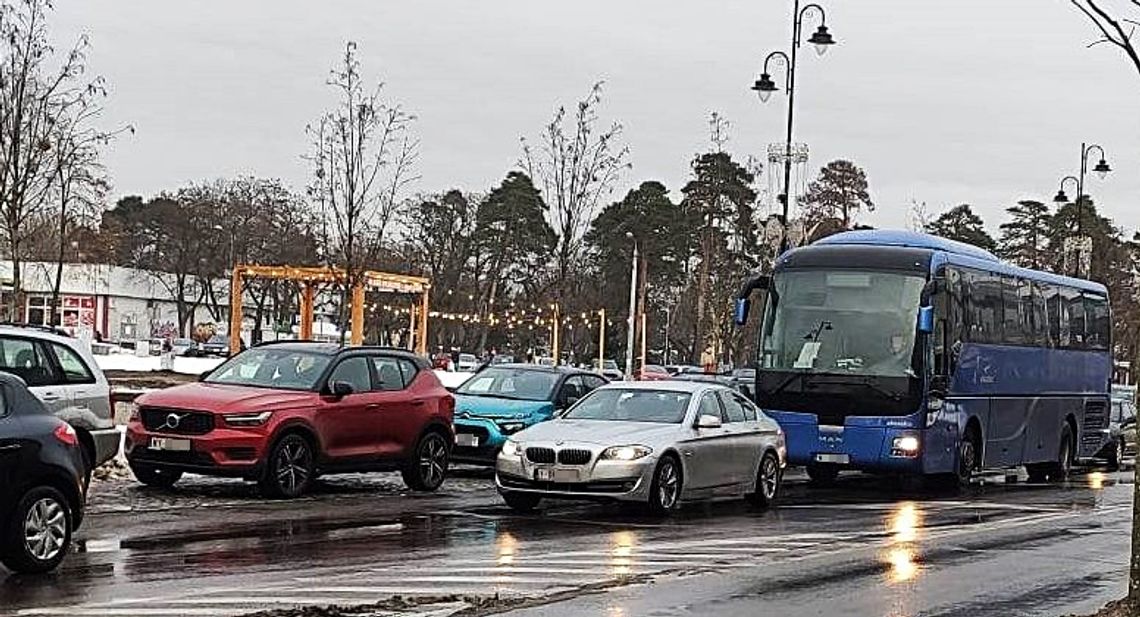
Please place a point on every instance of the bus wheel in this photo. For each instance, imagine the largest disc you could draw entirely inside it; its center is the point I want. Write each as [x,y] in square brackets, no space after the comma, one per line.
[822,475]
[1060,470]
[967,458]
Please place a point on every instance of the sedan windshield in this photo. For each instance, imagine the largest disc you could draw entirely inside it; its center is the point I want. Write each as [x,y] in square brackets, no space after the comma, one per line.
[628,405]
[272,368]
[842,321]
[510,382]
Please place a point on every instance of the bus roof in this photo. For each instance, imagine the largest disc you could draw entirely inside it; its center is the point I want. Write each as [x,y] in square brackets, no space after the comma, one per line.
[950,251]
[894,237]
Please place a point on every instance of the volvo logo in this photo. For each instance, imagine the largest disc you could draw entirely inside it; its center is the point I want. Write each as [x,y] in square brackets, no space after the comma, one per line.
[173,420]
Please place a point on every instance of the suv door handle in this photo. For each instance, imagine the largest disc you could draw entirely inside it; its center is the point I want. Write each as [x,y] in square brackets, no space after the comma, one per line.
[50,396]
[419,402]
[372,406]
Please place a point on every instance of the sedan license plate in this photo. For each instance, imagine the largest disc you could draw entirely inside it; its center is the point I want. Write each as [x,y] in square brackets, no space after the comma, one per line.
[467,440]
[550,474]
[171,445]
[839,459]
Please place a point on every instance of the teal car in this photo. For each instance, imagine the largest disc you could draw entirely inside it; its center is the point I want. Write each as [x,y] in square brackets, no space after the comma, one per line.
[504,399]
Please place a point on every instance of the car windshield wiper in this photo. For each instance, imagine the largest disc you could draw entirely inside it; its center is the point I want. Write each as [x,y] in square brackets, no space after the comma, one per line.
[866,382]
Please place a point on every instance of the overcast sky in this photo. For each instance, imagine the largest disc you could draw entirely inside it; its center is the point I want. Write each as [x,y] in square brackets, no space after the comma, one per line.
[943,101]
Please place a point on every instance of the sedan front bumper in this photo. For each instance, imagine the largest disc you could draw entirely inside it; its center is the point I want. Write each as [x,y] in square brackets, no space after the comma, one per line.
[597,480]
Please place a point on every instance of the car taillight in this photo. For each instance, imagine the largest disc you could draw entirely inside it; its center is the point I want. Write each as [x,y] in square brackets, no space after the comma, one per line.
[66,435]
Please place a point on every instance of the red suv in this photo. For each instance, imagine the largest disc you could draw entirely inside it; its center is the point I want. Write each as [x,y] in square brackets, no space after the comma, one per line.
[283,413]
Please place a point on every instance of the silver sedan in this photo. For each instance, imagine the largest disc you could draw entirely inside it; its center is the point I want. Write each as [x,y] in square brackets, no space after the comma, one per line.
[661,443]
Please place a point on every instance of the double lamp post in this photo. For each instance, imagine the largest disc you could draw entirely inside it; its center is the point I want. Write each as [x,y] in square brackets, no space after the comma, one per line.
[765,86]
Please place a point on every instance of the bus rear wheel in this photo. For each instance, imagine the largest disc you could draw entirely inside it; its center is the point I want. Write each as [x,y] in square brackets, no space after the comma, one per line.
[1058,470]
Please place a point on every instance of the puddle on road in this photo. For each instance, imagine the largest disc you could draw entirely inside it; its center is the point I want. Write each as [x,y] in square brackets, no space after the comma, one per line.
[904,525]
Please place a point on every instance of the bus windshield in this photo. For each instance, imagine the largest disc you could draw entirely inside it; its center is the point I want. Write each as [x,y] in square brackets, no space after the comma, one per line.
[842,321]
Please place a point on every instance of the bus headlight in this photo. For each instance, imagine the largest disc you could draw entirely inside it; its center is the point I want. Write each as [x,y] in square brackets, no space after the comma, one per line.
[905,445]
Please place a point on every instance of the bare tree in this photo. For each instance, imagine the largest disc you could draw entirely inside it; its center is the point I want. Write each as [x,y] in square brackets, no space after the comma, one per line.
[80,184]
[574,169]
[39,93]
[1116,30]
[363,156]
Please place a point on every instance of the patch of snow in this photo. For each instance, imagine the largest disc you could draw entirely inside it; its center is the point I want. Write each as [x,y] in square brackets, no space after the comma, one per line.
[452,379]
[127,362]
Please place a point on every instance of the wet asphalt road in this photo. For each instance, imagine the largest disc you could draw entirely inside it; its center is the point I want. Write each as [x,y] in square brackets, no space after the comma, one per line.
[866,547]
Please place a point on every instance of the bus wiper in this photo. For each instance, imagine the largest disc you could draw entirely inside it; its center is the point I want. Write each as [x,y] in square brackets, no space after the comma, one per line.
[866,382]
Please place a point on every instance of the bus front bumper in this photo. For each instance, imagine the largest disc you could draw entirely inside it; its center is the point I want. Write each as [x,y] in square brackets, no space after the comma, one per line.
[876,449]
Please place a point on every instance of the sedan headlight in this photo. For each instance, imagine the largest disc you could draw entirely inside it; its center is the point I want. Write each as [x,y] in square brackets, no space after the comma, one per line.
[248,419]
[626,453]
[512,448]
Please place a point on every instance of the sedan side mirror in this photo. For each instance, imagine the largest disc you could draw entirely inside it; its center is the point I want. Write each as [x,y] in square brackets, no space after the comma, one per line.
[341,389]
[708,421]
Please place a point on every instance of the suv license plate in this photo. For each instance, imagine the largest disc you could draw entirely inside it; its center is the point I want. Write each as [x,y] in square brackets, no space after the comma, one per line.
[840,459]
[467,440]
[171,445]
[549,474]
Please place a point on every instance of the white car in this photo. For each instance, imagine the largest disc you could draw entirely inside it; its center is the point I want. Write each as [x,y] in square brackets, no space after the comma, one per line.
[661,443]
[467,363]
[61,372]
[183,347]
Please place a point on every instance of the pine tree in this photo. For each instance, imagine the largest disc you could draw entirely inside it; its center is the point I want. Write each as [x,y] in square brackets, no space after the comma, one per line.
[1024,237]
[836,197]
[961,224]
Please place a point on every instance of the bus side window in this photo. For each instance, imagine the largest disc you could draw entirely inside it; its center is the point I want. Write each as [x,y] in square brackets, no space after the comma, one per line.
[983,290]
[1042,325]
[958,321]
[1072,319]
[1099,325]
[1012,331]
[1058,318]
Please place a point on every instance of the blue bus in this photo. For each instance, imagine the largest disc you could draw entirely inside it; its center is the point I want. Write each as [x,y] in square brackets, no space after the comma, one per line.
[903,353]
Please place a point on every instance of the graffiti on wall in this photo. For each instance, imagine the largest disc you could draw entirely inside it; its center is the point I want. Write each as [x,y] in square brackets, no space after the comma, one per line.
[163,329]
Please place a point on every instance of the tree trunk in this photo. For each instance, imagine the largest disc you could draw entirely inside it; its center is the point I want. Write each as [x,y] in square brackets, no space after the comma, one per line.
[642,292]
[490,306]
[702,289]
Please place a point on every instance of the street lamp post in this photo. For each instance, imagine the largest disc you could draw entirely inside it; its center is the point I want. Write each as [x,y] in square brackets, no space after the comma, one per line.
[1101,169]
[632,309]
[764,88]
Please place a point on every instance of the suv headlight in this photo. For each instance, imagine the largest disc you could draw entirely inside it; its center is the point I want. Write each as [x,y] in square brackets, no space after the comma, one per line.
[512,448]
[511,427]
[247,419]
[626,453]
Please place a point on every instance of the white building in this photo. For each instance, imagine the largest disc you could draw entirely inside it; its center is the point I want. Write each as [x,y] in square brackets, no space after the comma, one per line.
[115,302]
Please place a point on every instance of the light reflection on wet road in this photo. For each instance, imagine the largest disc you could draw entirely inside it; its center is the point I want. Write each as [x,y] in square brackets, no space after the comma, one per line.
[887,549]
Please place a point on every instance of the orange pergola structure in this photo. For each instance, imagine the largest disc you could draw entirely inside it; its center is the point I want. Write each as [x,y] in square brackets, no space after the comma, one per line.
[309,277]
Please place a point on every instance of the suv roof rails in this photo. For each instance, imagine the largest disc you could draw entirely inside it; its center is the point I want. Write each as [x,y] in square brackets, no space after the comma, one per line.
[49,329]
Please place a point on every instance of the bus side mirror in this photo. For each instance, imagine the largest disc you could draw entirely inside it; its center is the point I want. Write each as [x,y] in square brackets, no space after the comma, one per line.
[740,314]
[932,287]
[926,319]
